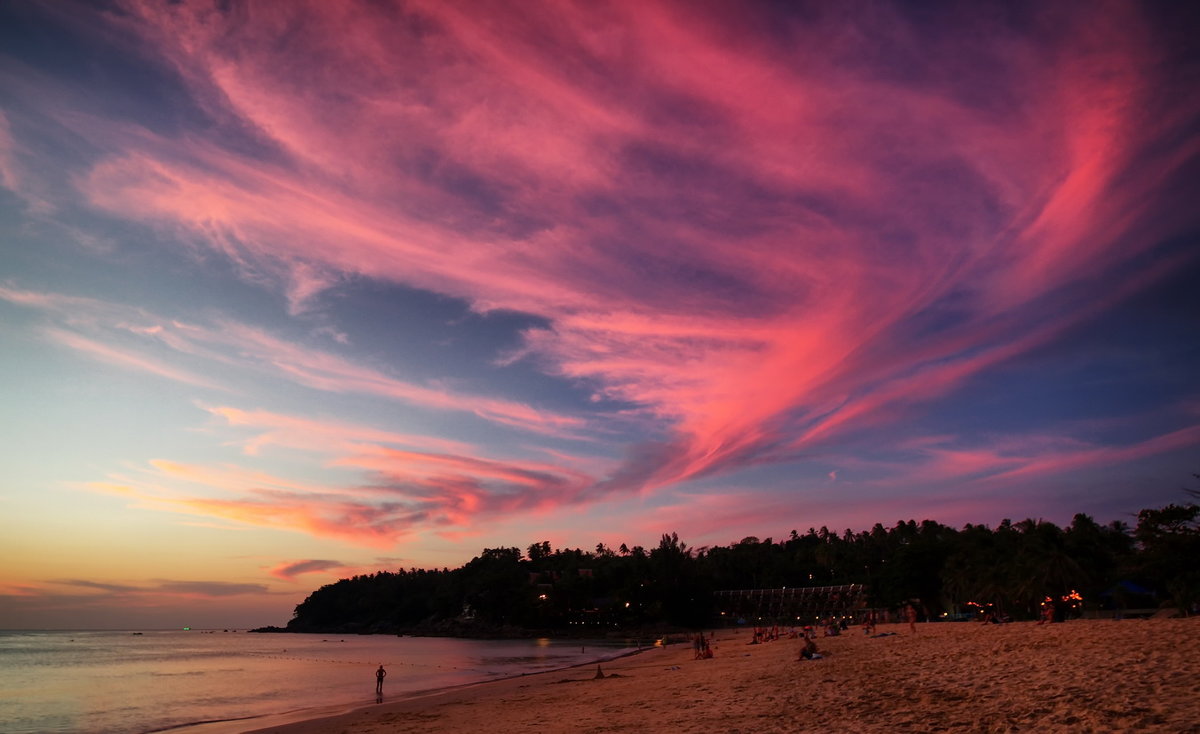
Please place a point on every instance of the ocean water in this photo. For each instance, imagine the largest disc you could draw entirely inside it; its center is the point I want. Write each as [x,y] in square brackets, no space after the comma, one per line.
[154,681]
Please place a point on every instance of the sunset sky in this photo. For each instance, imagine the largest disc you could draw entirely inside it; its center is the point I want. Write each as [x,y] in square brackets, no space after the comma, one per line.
[291,291]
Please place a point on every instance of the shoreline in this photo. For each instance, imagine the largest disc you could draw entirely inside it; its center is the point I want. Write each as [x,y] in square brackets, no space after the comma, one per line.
[285,720]
[1082,675]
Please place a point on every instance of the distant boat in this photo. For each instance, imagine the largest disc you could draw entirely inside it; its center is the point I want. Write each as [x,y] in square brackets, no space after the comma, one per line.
[136,634]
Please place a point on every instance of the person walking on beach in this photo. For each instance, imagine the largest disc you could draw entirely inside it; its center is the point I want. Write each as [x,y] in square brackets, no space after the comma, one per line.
[910,613]
[379,676]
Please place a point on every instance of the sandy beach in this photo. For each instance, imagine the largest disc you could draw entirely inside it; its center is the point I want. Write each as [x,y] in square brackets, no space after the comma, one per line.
[1080,676]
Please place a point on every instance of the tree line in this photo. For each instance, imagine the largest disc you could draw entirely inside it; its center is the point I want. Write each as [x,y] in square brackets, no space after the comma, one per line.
[940,569]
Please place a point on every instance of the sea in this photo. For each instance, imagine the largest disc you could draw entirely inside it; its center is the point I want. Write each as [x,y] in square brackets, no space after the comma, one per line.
[176,681]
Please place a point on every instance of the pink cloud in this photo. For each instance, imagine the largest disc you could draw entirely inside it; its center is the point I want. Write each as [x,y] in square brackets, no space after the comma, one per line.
[289,570]
[231,477]
[19,590]
[787,210]
[353,522]
[463,490]
[409,492]
[256,499]
[1056,462]
[1006,461]
[320,435]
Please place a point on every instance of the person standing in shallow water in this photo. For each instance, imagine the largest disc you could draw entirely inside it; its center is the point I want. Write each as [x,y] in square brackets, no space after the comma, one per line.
[379,676]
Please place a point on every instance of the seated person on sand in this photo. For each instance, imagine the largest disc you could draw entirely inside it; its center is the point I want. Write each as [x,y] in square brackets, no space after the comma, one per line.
[808,650]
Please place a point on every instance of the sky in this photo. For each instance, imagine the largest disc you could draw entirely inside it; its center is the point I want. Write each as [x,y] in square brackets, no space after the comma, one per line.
[296,291]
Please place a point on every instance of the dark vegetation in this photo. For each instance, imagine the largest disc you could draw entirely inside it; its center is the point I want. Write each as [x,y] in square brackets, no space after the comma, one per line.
[1013,566]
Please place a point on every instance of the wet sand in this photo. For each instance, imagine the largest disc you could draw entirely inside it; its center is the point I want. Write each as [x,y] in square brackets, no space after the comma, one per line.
[1080,676]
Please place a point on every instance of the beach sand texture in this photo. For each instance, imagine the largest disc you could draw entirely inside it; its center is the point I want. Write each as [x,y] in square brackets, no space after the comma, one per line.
[1080,676]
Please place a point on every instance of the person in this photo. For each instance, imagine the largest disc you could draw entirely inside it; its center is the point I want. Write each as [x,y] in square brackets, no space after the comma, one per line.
[379,676]
[911,615]
[808,650]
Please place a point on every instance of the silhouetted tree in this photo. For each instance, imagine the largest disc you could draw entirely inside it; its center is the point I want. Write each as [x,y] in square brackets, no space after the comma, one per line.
[1169,541]
[1014,566]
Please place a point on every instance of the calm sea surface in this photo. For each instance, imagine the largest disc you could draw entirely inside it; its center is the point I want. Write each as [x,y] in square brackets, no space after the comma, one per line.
[125,682]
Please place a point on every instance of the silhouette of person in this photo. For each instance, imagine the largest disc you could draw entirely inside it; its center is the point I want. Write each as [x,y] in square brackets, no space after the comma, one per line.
[379,676]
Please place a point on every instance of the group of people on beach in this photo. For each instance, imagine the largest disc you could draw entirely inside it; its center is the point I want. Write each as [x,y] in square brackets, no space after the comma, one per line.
[831,627]
[834,626]
[767,634]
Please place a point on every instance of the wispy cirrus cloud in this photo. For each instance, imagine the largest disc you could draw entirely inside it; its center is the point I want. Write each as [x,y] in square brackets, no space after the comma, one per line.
[209,588]
[1092,456]
[995,461]
[766,234]
[127,359]
[289,570]
[133,338]
[161,587]
[331,515]
[320,435]
[849,211]
[393,495]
